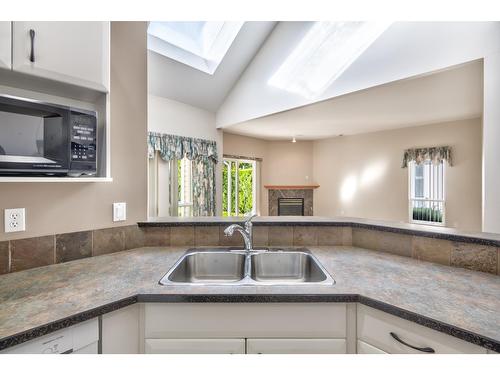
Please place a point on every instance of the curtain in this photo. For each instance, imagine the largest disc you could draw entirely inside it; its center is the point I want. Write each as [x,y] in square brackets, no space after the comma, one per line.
[435,154]
[172,147]
[202,153]
[203,187]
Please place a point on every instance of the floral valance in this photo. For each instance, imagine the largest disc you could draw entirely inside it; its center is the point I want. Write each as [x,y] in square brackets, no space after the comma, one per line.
[176,147]
[435,154]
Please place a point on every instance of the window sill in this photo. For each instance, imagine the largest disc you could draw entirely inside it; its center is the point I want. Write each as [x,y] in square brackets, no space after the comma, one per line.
[433,223]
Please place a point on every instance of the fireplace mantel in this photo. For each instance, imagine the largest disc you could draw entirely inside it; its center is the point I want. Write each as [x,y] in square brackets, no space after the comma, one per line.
[291,187]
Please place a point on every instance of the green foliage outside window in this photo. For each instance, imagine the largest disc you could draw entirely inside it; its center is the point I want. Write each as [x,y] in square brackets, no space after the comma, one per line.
[245,189]
[427,214]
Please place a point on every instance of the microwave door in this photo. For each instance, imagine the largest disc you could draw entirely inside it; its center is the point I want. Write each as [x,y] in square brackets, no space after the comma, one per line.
[25,129]
[25,159]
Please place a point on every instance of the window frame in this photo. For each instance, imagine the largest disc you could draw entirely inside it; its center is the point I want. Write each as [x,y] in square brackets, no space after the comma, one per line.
[412,199]
[182,204]
[254,184]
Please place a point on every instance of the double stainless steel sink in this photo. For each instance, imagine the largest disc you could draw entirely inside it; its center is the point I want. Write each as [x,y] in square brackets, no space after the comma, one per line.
[240,267]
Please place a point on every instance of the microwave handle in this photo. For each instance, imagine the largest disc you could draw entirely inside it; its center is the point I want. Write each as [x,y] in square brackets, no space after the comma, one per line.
[32,51]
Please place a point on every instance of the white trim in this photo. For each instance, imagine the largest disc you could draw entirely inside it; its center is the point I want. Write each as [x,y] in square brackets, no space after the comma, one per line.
[411,199]
[255,184]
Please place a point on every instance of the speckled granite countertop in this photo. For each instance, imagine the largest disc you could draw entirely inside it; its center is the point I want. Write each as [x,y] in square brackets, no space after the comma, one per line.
[462,303]
[433,231]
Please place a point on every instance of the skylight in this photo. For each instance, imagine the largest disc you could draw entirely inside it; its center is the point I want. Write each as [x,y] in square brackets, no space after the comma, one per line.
[323,54]
[201,45]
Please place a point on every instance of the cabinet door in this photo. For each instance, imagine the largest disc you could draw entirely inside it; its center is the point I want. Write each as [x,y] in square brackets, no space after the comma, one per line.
[364,348]
[296,346]
[5,44]
[120,331]
[194,346]
[71,52]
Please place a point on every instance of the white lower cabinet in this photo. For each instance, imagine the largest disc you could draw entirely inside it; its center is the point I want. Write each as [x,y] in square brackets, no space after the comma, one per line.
[89,349]
[364,348]
[244,320]
[395,335]
[194,346]
[121,331]
[296,346]
[312,328]
[5,44]
[82,338]
[253,328]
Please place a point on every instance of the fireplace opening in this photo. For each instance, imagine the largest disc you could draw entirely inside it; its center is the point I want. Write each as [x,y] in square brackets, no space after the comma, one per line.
[290,206]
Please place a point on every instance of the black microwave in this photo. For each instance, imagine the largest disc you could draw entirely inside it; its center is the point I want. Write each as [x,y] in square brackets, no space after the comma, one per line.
[44,139]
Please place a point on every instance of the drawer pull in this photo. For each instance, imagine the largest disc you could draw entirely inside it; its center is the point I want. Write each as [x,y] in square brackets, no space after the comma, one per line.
[32,51]
[425,350]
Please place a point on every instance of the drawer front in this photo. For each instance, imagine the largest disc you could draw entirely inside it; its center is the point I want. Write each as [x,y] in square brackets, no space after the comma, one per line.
[364,348]
[236,320]
[55,343]
[375,327]
[89,349]
[194,346]
[296,346]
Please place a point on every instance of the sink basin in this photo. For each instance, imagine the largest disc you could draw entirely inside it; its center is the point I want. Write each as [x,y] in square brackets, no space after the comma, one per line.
[208,267]
[237,267]
[286,267]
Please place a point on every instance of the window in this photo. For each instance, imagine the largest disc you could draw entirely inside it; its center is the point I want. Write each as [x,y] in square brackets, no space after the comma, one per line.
[184,187]
[170,187]
[427,195]
[239,193]
[323,54]
[201,45]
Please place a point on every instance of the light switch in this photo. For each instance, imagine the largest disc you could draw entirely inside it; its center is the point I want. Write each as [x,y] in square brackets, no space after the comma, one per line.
[119,211]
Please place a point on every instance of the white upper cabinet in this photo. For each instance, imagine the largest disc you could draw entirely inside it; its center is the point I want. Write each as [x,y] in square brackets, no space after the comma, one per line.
[72,52]
[5,45]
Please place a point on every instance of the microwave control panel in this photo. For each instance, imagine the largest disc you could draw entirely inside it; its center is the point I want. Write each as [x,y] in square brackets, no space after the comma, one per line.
[83,138]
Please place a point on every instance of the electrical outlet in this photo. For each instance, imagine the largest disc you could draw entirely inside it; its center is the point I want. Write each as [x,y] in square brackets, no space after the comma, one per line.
[14,219]
[119,211]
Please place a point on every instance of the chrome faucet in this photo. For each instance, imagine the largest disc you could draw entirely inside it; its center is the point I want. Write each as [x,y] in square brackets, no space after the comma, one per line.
[245,231]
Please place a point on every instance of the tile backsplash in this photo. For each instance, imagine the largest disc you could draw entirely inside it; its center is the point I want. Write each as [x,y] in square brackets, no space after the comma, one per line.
[22,254]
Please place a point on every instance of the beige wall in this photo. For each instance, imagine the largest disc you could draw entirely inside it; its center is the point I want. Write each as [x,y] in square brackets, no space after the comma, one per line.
[66,207]
[284,162]
[361,175]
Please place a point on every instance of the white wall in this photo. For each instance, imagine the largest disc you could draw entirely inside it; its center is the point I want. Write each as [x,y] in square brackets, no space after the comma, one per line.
[406,49]
[491,144]
[172,117]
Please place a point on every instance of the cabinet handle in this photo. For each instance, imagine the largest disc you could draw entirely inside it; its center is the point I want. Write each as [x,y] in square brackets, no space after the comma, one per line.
[32,53]
[425,350]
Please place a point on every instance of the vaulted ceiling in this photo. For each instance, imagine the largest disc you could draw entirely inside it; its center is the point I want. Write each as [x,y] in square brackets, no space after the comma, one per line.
[263,75]
[175,80]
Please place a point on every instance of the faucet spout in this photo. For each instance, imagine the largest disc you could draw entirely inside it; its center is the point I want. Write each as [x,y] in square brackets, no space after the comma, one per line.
[245,231]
